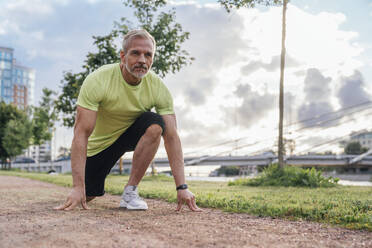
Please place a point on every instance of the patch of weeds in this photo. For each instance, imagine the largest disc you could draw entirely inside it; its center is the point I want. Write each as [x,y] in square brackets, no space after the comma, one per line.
[288,177]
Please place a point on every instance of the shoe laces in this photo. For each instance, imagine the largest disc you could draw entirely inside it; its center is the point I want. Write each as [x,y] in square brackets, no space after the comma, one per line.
[133,193]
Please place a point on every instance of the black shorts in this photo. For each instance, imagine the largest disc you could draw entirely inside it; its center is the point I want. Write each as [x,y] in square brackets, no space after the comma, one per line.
[97,167]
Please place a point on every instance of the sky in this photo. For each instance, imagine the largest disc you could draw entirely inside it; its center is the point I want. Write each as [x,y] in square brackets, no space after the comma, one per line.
[230,92]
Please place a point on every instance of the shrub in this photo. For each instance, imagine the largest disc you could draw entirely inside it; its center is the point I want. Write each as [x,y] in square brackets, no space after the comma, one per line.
[228,170]
[288,176]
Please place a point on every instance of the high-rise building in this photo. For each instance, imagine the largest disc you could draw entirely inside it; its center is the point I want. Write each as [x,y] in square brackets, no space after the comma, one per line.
[17,82]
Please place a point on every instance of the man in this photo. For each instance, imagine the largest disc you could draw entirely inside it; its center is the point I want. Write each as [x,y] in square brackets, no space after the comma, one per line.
[113,117]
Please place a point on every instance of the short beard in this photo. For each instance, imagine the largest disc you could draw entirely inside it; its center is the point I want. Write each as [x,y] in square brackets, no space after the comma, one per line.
[138,75]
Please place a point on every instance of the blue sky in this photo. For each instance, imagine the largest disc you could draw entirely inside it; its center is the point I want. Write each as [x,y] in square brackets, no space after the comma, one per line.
[231,89]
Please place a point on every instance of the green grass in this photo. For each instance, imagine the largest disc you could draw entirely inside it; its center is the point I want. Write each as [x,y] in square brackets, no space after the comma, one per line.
[346,206]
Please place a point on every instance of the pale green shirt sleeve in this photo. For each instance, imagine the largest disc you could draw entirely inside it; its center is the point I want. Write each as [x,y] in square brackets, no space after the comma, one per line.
[164,103]
[91,93]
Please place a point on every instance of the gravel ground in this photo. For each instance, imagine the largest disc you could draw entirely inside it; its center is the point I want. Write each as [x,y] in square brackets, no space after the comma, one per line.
[27,219]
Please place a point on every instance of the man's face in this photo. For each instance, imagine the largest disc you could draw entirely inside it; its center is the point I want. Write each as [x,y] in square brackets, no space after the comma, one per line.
[138,57]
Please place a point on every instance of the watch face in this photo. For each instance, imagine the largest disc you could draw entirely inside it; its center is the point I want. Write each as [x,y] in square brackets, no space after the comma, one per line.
[182,186]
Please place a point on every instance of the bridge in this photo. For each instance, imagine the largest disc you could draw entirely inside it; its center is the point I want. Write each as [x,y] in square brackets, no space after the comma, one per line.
[347,161]
[263,160]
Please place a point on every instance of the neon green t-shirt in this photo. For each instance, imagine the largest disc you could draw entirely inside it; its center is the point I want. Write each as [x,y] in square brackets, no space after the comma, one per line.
[119,104]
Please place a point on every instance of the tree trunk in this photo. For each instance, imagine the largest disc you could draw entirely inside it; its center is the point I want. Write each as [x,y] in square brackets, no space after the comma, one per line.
[281,94]
[121,165]
[153,169]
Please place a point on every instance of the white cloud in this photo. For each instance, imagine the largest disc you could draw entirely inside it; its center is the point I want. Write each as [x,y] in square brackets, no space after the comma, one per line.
[309,38]
[93,1]
[17,17]
[6,26]
[34,7]
[63,2]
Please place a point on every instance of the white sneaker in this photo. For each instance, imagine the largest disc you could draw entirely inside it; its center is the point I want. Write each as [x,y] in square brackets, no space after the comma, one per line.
[131,200]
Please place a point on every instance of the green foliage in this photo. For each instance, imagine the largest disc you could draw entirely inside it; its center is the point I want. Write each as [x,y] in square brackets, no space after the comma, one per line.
[169,56]
[347,206]
[230,4]
[228,170]
[7,113]
[17,135]
[15,130]
[355,148]
[288,177]
[43,119]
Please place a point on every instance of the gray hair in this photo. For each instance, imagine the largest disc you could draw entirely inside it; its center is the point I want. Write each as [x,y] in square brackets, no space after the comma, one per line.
[137,33]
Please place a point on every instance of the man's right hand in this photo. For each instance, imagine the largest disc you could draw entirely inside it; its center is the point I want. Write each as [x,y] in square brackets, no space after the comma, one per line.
[76,197]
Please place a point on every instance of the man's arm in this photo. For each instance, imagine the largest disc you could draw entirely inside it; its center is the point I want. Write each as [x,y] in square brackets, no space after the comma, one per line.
[84,125]
[173,147]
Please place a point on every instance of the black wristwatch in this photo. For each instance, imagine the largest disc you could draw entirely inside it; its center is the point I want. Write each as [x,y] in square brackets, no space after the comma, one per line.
[182,186]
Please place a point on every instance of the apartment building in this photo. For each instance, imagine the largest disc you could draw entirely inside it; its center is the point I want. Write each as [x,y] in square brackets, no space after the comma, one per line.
[17,82]
[365,139]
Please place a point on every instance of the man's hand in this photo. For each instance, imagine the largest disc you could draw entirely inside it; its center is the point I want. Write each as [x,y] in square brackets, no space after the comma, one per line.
[76,197]
[185,196]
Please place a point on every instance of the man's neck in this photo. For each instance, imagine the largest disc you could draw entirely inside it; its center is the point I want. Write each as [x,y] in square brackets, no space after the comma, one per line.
[129,78]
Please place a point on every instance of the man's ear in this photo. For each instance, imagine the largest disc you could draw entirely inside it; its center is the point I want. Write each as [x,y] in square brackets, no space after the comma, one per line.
[122,55]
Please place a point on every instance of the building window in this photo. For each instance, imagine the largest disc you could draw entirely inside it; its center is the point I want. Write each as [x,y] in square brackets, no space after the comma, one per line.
[8,56]
[7,65]
[7,83]
[6,73]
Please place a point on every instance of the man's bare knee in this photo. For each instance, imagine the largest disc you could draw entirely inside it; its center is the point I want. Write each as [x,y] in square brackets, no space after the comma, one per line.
[154,131]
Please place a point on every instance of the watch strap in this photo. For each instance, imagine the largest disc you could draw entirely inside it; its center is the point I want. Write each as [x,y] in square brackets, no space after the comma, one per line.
[182,186]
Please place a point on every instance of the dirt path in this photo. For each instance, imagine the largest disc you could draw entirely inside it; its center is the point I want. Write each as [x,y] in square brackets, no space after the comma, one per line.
[27,219]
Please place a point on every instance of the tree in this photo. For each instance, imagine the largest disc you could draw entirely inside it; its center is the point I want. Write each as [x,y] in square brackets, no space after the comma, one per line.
[281,88]
[18,130]
[170,57]
[7,113]
[17,135]
[355,148]
[15,131]
[43,119]
[228,4]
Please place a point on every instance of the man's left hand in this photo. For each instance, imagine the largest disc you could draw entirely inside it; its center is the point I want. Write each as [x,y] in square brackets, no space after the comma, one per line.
[186,196]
